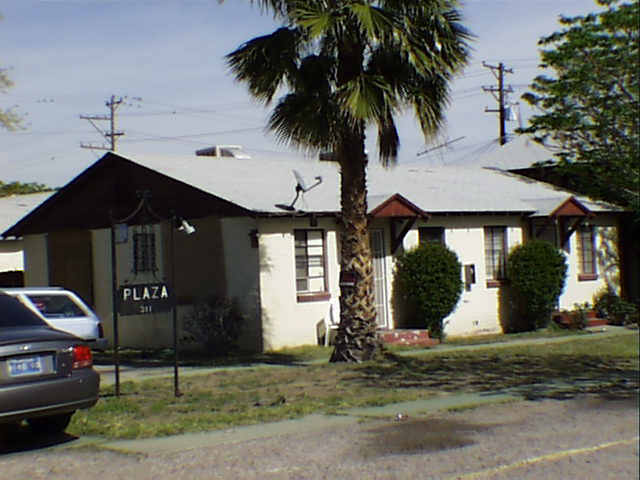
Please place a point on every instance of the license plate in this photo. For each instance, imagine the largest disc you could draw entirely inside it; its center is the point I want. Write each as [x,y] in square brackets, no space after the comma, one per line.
[19,367]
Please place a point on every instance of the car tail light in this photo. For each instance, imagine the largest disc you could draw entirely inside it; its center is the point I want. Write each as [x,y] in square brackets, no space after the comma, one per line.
[82,357]
[100,331]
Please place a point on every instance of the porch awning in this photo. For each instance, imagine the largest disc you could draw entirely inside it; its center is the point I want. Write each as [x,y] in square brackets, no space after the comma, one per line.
[402,215]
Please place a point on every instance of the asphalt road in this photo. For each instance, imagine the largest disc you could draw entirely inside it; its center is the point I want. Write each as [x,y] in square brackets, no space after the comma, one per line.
[580,438]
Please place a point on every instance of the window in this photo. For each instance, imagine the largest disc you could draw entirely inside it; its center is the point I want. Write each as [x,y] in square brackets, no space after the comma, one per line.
[144,252]
[431,234]
[586,253]
[310,261]
[495,247]
[543,229]
[56,306]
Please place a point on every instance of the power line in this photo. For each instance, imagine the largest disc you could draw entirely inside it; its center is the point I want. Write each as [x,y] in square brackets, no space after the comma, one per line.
[152,137]
[442,145]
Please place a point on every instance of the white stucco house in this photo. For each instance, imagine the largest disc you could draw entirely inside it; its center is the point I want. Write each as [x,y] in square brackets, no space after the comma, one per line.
[12,209]
[280,259]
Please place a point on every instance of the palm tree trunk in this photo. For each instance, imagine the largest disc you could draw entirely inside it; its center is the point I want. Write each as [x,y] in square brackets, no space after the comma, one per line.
[357,338]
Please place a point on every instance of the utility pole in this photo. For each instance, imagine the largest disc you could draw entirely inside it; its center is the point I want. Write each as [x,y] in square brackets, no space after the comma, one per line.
[111,135]
[499,72]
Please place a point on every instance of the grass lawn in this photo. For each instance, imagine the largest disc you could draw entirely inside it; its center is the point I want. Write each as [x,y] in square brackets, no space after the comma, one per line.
[226,398]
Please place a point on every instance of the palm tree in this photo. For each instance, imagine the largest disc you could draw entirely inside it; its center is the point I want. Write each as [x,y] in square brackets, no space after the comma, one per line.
[346,65]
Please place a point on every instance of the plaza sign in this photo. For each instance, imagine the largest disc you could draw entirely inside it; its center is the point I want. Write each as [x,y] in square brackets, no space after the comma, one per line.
[144,299]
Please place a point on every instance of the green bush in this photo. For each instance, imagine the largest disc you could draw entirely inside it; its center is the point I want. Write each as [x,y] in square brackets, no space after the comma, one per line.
[216,323]
[428,285]
[616,310]
[536,273]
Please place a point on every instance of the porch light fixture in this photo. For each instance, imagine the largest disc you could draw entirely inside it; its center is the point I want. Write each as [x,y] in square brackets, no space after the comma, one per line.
[186,227]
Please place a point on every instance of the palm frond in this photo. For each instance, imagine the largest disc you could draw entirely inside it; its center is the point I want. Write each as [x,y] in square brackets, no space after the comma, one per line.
[314,76]
[354,62]
[388,140]
[374,21]
[390,63]
[366,97]
[315,17]
[430,100]
[265,62]
[303,121]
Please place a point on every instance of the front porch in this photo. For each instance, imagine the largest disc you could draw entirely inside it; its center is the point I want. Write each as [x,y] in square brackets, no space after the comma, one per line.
[409,337]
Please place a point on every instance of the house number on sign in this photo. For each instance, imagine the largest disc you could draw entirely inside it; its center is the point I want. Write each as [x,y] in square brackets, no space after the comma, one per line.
[143,299]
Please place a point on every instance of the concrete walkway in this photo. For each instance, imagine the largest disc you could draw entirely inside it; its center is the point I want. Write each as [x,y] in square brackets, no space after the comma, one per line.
[313,422]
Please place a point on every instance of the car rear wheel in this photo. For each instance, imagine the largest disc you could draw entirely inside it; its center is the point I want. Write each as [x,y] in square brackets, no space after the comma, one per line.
[51,424]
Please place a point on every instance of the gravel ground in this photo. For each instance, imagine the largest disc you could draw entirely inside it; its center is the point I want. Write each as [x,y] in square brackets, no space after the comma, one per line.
[583,438]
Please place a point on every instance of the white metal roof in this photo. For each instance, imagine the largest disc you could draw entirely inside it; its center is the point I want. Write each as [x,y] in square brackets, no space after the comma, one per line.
[14,207]
[259,184]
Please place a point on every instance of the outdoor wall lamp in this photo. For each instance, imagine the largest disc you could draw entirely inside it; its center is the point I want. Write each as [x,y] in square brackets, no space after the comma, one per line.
[186,227]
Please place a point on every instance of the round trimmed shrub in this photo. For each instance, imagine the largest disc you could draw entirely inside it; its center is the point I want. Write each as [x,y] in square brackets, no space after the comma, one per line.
[536,273]
[428,285]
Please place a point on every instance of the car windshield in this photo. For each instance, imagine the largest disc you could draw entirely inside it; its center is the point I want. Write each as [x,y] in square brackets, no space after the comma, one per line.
[14,314]
[56,306]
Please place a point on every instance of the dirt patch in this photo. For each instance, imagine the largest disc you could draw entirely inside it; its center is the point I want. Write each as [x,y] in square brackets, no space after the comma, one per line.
[424,435]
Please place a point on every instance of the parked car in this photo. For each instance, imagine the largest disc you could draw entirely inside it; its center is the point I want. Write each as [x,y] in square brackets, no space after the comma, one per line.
[63,310]
[45,374]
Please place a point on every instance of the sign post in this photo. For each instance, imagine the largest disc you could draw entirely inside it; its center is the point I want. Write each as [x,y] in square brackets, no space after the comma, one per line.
[143,298]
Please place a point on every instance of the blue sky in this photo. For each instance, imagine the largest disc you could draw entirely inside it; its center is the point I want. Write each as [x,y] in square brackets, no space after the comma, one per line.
[67,57]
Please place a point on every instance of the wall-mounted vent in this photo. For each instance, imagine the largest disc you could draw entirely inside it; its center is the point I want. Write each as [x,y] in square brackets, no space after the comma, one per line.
[223,151]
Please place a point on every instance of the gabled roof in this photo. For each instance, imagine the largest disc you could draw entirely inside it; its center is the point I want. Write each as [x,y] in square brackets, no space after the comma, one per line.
[397,206]
[195,187]
[571,207]
[110,189]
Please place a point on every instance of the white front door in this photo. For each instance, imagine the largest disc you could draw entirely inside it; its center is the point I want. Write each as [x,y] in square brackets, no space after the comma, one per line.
[376,239]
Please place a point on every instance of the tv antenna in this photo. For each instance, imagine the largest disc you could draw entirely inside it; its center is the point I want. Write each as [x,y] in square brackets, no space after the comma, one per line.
[301,187]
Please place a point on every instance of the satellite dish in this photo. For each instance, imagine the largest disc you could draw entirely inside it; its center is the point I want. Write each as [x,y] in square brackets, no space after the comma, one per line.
[301,186]
[301,183]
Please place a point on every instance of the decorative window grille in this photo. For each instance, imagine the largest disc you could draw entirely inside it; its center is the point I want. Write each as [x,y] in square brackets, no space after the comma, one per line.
[144,252]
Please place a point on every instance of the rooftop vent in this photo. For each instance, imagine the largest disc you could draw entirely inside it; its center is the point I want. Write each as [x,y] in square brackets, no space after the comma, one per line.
[228,151]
